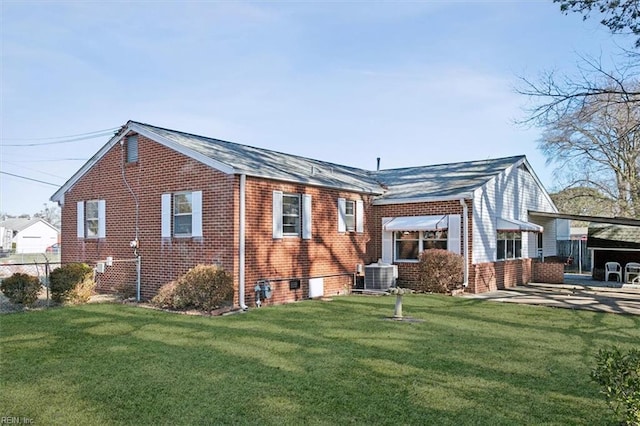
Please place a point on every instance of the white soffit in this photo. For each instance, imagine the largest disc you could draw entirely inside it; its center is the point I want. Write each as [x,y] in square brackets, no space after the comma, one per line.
[518,225]
[417,223]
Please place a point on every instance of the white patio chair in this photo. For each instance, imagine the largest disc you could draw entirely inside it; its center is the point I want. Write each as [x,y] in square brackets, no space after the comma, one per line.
[612,268]
[631,268]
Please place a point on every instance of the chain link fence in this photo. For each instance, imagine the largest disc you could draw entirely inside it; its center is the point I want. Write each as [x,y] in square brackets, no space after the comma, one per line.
[112,276]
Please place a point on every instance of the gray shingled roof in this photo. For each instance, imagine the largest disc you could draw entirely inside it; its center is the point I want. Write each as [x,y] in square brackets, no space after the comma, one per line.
[439,181]
[442,180]
[20,223]
[265,163]
[613,236]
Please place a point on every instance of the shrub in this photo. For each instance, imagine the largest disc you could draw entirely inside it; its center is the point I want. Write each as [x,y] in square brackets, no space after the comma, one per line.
[204,287]
[164,299]
[440,271]
[21,288]
[72,283]
[619,375]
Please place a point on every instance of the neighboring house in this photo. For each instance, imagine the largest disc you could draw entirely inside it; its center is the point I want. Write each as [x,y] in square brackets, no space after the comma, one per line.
[306,226]
[28,235]
[612,243]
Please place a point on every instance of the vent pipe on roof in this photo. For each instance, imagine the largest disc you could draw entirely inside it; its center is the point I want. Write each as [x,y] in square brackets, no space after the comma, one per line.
[378,164]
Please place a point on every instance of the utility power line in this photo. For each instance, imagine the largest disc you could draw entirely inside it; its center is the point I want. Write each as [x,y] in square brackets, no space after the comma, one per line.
[63,137]
[27,178]
[84,138]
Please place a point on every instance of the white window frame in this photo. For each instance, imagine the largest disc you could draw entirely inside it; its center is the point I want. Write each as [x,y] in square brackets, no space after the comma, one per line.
[169,214]
[512,237]
[421,243]
[350,215]
[304,225]
[98,219]
[296,216]
[353,221]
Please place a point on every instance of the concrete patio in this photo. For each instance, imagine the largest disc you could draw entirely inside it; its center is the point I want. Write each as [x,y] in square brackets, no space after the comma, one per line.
[577,292]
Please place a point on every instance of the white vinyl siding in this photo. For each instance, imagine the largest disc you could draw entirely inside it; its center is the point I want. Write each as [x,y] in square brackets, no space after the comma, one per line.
[510,196]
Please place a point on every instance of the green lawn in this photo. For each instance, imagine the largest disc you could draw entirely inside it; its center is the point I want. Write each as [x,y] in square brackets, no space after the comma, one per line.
[314,362]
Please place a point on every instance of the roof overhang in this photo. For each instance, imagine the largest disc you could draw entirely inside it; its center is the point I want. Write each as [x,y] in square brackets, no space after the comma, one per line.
[518,225]
[583,218]
[384,201]
[417,223]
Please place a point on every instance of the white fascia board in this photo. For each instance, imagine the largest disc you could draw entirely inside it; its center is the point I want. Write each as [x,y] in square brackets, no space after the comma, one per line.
[59,194]
[456,197]
[224,168]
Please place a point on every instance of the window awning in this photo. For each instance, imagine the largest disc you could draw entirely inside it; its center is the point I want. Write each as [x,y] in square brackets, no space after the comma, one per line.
[417,223]
[518,225]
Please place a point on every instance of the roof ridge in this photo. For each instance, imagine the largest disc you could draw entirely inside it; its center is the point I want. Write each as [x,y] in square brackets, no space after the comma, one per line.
[253,147]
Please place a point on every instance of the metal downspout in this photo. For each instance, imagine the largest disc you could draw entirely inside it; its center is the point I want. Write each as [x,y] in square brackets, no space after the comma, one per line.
[465,235]
[241,254]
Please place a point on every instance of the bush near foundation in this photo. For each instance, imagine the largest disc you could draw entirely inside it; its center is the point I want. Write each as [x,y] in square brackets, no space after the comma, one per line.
[72,283]
[204,287]
[440,271]
[619,375]
[21,288]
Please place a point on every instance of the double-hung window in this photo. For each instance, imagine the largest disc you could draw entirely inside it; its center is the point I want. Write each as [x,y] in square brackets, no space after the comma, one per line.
[182,214]
[509,245]
[91,219]
[291,215]
[350,215]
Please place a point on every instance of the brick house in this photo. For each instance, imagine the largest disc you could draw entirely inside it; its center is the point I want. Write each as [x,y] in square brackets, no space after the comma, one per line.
[305,226]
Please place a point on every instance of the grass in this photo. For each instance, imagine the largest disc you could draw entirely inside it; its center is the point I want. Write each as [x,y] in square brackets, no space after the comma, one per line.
[340,362]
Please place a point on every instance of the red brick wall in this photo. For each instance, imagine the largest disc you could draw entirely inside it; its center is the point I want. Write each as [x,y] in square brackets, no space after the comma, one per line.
[408,271]
[548,272]
[160,170]
[327,254]
[493,276]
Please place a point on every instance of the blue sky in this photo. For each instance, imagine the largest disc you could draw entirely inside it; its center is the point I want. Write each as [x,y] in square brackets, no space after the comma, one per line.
[414,83]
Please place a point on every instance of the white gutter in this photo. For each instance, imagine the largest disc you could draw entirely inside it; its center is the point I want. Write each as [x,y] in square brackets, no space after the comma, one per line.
[241,255]
[465,235]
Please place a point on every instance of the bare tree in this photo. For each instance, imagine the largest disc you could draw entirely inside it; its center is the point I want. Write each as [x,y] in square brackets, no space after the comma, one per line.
[620,16]
[596,141]
[50,213]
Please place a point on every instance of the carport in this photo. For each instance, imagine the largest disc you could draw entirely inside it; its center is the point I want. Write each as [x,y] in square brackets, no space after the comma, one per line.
[617,239]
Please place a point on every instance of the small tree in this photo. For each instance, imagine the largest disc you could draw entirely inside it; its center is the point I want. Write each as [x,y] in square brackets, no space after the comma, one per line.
[619,376]
[21,288]
[440,271]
